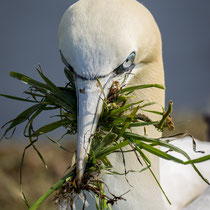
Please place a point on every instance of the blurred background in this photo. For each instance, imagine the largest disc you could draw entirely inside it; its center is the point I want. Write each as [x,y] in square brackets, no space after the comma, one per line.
[28,37]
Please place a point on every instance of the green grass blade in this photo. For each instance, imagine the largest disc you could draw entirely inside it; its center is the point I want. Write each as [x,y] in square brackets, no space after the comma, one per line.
[70,77]
[27,80]
[57,101]
[158,183]
[25,115]
[21,174]
[29,125]
[154,112]
[34,95]
[111,149]
[139,124]
[51,86]
[35,148]
[17,98]
[147,104]
[101,144]
[141,153]
[198,160]
[58,144]
[118,121]
[102,90]
[158,152]
[52,189]
[57,92]
[123,109]
[138,87]
[50,127]
[165,115]
[171,147]
[127,122]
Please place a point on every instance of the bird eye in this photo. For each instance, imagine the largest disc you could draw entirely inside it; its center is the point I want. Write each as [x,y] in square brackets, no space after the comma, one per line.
[129,60]
[127,65]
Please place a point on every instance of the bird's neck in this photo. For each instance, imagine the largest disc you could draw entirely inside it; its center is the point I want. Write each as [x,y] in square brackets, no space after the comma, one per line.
[145,193]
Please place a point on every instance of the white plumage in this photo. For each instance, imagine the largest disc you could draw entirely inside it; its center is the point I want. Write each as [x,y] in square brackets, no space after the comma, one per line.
[181,183]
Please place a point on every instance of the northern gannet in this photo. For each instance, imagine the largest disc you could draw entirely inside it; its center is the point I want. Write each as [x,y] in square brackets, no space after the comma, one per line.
[108,39]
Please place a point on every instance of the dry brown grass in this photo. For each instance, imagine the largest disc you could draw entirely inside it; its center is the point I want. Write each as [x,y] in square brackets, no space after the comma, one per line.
[191,123]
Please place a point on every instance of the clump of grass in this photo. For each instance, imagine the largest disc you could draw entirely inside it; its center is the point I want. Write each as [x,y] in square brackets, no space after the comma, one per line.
[113,133]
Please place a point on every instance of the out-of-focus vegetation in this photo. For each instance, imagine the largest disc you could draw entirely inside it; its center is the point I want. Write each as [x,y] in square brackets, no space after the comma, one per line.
[189,123]
[36,178]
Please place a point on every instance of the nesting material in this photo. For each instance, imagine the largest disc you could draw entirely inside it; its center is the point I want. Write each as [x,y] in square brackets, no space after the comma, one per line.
[112,134]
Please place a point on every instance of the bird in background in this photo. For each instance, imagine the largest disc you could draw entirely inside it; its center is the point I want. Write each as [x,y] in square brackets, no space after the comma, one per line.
[112,40]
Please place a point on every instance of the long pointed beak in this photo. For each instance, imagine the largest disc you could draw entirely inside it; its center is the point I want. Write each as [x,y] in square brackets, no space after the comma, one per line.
[90,101]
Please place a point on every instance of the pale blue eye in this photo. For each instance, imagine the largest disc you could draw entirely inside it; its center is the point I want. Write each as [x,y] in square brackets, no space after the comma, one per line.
[129,60]
[127,65]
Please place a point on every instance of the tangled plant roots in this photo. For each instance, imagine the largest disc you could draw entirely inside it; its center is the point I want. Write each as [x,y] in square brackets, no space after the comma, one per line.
[91,184]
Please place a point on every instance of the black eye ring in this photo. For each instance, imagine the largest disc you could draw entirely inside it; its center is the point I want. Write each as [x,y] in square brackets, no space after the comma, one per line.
[127,65]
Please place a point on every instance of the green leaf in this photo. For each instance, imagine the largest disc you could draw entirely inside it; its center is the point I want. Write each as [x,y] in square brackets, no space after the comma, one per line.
[123,108]
[34,95]
[28,80]
[70,77]
[118,121]
[165,115]
[138,87]
[158,152]
[102,90]
[154,112]
[58,144]
[139,124]
[127,122]
[151,171]
[50,127]
[198,160]
[21,117]
[106,162]
[101,144]
[17,98]
[21,174]
[52,189]
[136,137]
[57,92]
[29,125]
[55,100]
[147,104]
[111,149]
[145,158]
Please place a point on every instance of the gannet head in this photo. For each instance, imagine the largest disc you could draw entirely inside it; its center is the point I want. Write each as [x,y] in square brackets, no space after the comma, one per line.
[105,40]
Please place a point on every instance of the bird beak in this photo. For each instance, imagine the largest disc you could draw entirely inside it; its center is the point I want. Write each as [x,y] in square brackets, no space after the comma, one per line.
[89,107]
